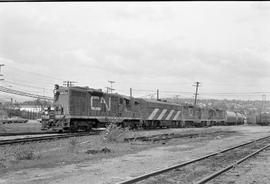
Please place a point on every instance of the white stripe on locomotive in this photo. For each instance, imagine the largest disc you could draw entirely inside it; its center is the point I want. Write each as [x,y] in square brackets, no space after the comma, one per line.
[169,115]
[162,114]
[152,115]
[177,115]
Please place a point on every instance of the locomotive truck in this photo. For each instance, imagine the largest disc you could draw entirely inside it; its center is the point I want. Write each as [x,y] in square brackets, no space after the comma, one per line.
[84,108]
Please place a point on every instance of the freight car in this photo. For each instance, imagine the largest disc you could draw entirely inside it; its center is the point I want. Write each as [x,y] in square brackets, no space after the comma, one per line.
[84,108]
[263,118]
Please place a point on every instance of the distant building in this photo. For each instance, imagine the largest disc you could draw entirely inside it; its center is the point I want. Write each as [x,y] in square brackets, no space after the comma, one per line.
[31,108]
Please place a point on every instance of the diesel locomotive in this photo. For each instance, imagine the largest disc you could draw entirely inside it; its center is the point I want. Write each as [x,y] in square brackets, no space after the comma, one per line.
[84,108]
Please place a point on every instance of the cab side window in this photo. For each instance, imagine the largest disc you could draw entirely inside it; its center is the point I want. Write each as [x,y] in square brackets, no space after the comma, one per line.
[128,104]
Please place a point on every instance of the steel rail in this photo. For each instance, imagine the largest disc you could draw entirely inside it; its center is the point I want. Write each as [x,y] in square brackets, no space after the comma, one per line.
[25,133]
[41,138]
[143,177]
[214,175]
[158,137]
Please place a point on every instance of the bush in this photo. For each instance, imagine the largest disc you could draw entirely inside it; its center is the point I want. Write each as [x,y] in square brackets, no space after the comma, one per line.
[25,153]
[114,133]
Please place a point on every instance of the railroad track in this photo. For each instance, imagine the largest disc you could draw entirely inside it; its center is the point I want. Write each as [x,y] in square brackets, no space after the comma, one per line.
[25,133]
[160,137]
[206,168]
[44,138]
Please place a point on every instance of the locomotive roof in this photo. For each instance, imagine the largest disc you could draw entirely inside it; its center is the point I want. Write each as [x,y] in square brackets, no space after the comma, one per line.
[98,90]
[160,102]
[85,88]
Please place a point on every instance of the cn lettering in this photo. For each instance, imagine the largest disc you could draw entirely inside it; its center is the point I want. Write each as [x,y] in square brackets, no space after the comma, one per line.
[100,100]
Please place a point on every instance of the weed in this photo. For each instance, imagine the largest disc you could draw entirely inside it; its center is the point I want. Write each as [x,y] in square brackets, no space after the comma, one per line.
[73,144]
[2,166]
[114,133]
[25,152]
[2,128]
[103,150]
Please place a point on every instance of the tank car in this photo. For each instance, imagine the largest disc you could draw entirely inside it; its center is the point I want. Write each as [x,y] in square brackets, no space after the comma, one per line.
[230,118]
[240,118]
[234,118]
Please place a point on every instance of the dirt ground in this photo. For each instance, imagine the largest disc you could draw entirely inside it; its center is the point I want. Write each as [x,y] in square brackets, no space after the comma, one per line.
[30,126]
[140,158]
[254,170]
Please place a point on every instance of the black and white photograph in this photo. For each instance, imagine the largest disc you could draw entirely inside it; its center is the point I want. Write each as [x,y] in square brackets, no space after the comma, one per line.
[154,92]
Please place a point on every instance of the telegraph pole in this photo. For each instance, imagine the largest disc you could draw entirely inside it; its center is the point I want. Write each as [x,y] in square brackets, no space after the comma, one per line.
[196,93]
[177,99]
[111,85]
[157,94]
[263,102]
[68,83]
[0,70]
[108,88]
[130,92]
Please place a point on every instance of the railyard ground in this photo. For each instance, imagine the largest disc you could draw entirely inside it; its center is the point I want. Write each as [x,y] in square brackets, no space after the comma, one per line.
[67,160]
[30,126]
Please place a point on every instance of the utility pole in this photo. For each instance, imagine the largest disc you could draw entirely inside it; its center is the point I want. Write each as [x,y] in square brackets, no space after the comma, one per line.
[157,94]
[177,99]
[108,88]
[111,85]
[130,92]
[0,69]
[68,83]
[196,93]
[263,102]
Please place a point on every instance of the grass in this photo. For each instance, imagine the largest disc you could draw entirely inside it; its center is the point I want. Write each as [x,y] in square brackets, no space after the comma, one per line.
[2,128]
[73,144]
[50,154]
[30,126]
[25,152]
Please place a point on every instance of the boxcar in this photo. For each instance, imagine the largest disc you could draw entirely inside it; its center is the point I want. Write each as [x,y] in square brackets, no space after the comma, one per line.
[263,118]
[251,119]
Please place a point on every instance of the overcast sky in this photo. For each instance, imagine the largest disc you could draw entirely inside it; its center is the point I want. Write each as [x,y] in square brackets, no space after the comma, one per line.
[142,45]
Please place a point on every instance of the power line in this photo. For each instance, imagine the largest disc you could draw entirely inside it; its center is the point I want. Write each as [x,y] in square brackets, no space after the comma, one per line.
[35,73]
[166,91]
[26,85]
[22,93]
